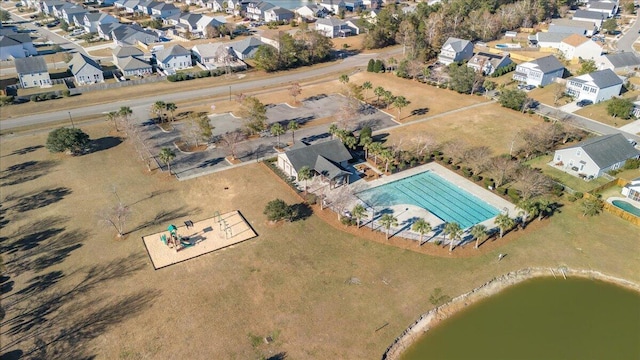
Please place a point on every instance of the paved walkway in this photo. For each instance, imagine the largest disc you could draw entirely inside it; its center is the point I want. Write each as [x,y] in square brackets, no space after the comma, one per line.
[633,127]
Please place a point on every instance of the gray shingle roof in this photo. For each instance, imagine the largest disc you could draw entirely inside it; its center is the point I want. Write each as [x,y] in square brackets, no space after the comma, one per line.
[586,14]
[247,46]
[124,51]
[608,149]
[330,22]
[79,61]
[31,65]
[551,36]
[14,39]
[601,5]
[457,44]
[548,64]
[605,78]
[175,50]
[320,157]
[623,59]
[131,63]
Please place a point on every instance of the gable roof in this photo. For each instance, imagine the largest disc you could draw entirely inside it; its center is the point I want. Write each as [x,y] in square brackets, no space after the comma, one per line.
[333,22]
[623,59]
[175,50]
[14,39]
[547,64]
[602,5]
[79,61]
[30,65]
[608,149]
[322,157]
[571,23]
[586,14]
[209,49]
[551,36]
[132,63]
[575,40]
[124,51]
[456,44]
[246,46]
[601,78]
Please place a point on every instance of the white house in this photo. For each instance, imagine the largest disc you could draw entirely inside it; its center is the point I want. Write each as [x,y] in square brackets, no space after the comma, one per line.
[16,45]
[122,52]
[597,86]
[85,70]
[278,14]
[586,28]
[164,10]
[594,157]
[328,159]
[175,57]
[215,55]
[550,40]
[609,8]
[333,27]
[91,21]
[32,72]
[488,63]
[632,190]
[255,10]
[590,16]
[311,11]
[455,50]
[333,6]
[131,66]
[576,47]
[246,48]
[539,72]
[625,61]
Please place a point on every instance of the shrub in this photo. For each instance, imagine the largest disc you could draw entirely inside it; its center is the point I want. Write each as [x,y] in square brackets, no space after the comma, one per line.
[502,190]
[631,164]
[489,183]
[571,198]
[466,172]
[6,100]
[277,210]
[347,221]
[476,178]
[514,195]
[51,96]
[67,139]
[311,199]
[455,167]
[578,195]
[34,98]
[66,93]
[557,189]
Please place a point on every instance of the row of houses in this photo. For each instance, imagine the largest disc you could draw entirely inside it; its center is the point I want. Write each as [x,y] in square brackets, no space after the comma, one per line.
[14,45]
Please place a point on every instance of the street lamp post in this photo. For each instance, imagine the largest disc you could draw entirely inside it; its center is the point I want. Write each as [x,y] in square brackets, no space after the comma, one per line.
[229,92]
[71,119]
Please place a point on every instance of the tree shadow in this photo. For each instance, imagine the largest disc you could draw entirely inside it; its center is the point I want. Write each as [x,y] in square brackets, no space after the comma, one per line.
[48,253]
[166,216]
[380,137]
[12,355]
[301,211]
[26,171]
[24,150]
[39,199]
[209,162]
[278,356]
[420,111]
[104,143]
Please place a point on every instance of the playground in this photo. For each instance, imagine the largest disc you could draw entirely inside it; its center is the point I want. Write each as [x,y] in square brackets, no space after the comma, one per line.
[181,243]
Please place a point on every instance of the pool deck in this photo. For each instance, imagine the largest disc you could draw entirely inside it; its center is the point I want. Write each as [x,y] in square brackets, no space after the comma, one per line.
[204,236]
[406,214]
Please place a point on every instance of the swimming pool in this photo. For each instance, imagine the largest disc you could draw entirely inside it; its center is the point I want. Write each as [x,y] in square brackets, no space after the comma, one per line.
[434,194]
[626,207]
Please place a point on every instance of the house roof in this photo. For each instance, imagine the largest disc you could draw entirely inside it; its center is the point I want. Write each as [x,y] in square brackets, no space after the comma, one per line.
[322,157]
[551,36]
[623,59]
[246,46]
[209,50]
[575,40]
[14,39]
[175,50]
[129,34]
[124,51]
[602,5]
[586,14]
[601,78]
[547,64]
[79,61]
[608,149]
[163,6]
[280,11]
[456,44]
[333,22]
[132,63]
[30,65]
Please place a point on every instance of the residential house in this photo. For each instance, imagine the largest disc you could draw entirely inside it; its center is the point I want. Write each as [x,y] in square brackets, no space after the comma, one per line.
[255,10]
[246,48]
[596,156]
[69,13]
[32,72]
[625,61]
[132,6]
[132,35]
[278,14]
[597,86]
[164,10]
[353,5]
[105,2]
[608,8]
[328,159]
[195,24]
[333,6]
[16,45]
[133,66]
[372,16]
[216,55]
[550,40]
[488,63]
[146,6]
[173,58]
[122,52]
[85,70]
[455,50]
[312,11]
[577,47]
[214,5]
[105,30]
[333,27]
[632,190]
[586,28]
[272,37]
[590,16]
[91,21]
[539,72]
[48,6]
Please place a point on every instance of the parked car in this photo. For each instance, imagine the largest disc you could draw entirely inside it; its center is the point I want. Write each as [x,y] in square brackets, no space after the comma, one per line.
[584,102]
[529,87]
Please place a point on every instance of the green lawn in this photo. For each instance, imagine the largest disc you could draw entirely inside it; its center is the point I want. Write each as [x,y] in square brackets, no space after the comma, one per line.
[38,90]
[571,181]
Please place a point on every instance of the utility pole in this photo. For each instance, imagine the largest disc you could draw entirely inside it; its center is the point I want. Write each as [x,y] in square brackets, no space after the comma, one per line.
[229,92]
[71,119]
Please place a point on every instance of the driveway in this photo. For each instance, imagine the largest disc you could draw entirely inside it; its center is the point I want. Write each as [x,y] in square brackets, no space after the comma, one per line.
[570,107]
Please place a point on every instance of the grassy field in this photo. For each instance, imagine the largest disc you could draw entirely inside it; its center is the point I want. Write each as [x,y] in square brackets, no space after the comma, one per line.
[71,285]
[598,111]
[571,181]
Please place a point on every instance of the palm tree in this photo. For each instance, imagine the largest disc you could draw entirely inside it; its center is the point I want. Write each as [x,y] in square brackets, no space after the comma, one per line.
[545,207]
[166,156]
[591,206]
[422,226]
[388,98]
[277,130]
[504,222]
[333,130]
[379,91]
[527,208]
[387,155]
[125,112]
[344,78]
[400,102]
[158,109]
[113,116]
[171,108]
[479,231]
[359,212]
[293,126]
[366,86]
[454,231]
[350,142]
[304,174]
[376,149]
[366,142]
[387,221]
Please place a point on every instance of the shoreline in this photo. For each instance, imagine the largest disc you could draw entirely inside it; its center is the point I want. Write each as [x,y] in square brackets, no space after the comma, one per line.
[434,316]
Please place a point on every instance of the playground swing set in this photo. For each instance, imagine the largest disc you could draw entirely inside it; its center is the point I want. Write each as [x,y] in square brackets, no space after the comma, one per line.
[178,242]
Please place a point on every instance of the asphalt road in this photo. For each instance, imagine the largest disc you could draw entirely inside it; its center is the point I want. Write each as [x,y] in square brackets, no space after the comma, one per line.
[625,43]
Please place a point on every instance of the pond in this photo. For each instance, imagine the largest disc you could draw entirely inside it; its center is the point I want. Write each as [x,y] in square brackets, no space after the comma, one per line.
[542,318]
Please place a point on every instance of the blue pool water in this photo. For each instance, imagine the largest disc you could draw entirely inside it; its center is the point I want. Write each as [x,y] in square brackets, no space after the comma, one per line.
[626,207]
[434,194]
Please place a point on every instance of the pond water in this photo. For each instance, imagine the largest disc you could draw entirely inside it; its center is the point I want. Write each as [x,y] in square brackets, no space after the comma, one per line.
[543,318]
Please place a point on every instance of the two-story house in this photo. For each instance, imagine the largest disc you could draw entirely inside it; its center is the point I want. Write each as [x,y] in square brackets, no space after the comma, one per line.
[256,10]
[85,70]
[620,62]
[590,16]
[91,21]
[132,35]
[130,60]
[597,86]
[455,50]
[278,14]
[16,45]
[577,47]
[32,72]
[539,72]
[216,55]
[312,11]
[246,48]
[586,28]
[608,8]
[333,27]
[173,58]
[333,6]
[488,63]
[164,10]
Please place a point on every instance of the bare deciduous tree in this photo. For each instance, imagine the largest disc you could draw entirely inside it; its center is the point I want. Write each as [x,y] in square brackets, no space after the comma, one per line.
[116,216]
[478,158]
[502,169]
[532,182]
[455,149]
[230,141]
[423,144]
